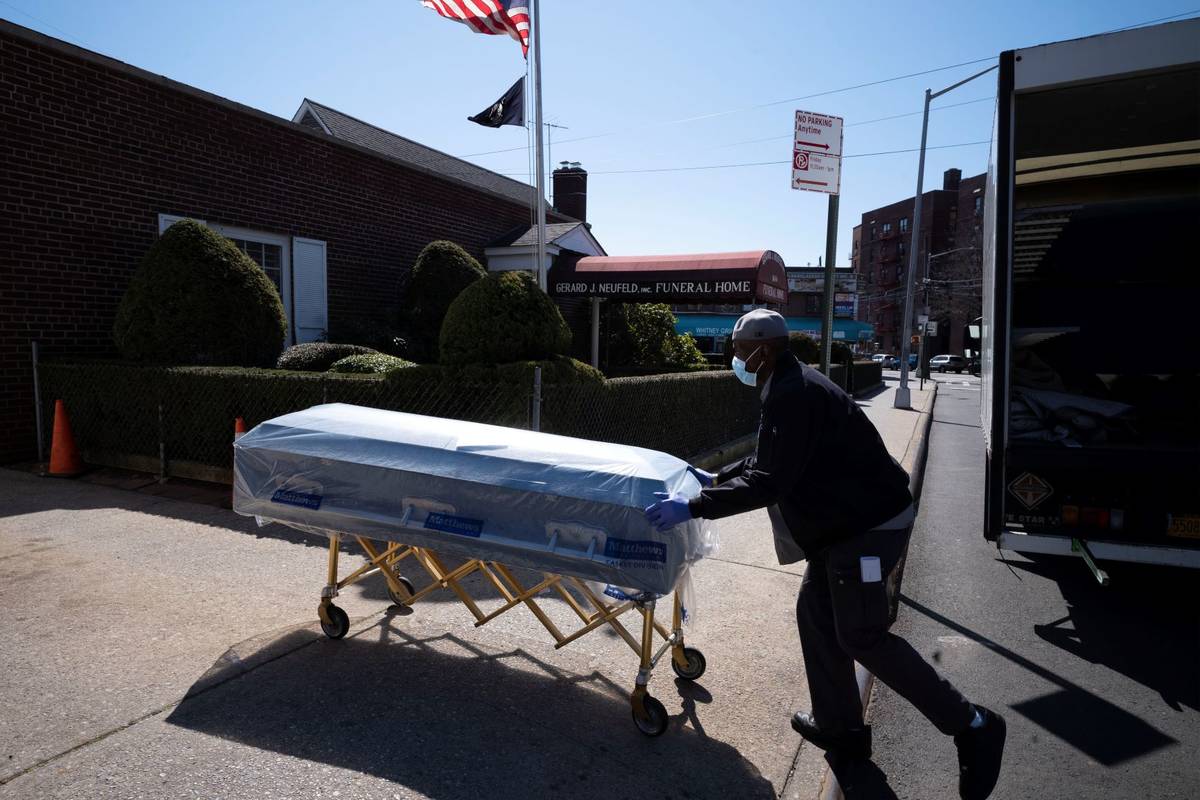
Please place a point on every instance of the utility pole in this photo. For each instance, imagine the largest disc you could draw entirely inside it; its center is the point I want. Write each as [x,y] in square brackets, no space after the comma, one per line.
[903,394]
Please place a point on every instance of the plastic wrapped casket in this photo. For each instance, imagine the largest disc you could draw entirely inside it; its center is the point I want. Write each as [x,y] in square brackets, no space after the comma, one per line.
[550,503]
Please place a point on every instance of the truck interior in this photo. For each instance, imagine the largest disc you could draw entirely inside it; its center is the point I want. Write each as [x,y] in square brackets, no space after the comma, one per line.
[1105,356]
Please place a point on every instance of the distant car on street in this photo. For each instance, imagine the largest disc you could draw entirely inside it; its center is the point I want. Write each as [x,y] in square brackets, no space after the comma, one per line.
[946,363]
[885,360]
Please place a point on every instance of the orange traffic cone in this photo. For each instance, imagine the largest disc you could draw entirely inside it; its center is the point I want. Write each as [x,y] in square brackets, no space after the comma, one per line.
[64,455]
[239,427]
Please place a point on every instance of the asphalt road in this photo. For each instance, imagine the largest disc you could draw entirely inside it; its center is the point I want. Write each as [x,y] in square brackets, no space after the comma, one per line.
[1100,686]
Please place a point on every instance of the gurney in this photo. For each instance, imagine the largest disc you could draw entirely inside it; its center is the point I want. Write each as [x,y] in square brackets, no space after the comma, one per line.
[405,486]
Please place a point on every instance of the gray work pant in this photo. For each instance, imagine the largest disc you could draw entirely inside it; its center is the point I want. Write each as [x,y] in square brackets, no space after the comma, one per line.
[843,620]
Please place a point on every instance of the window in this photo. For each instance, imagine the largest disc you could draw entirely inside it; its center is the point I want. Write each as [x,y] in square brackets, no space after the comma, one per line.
[267,256]
[900,248]
[812,305]
[872,233]
[903,224]
[887,228]
[978,205]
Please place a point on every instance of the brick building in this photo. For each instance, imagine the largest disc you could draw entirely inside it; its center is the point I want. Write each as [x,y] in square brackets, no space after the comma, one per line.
[948,256]
[98,157]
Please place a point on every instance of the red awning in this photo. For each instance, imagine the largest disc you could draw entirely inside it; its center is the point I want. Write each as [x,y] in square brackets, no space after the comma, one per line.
[756,276]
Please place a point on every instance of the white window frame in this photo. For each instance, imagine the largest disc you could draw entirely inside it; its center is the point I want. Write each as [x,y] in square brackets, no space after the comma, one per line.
[262,237]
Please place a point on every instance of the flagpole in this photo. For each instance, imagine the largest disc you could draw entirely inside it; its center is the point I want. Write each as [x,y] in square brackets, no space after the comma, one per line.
[535,30]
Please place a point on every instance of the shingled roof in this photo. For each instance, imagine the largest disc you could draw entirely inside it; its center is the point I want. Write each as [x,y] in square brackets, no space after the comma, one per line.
[396,147]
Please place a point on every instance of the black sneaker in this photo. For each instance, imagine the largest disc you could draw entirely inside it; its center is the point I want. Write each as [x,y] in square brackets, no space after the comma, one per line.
[854,743]
[980,751]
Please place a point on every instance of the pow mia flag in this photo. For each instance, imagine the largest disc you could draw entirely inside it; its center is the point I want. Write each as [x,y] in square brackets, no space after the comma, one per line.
[508,110]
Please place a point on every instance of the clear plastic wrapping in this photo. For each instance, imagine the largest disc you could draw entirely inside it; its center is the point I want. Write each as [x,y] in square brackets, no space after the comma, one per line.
[550,503]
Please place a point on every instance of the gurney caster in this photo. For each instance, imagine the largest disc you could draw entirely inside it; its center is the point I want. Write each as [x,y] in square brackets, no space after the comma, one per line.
[334,622]
[396,597]
[695,664]
[652,718]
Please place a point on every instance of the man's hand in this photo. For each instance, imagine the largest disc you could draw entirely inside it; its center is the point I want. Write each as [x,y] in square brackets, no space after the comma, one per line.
[668,511]
[705,478]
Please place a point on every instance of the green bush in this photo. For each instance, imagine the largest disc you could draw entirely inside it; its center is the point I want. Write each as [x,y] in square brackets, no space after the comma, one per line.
[369,363]
[643,335]
[442,271]
[804,347]
[501,319]
[197,299]
[372,333]
[317,356]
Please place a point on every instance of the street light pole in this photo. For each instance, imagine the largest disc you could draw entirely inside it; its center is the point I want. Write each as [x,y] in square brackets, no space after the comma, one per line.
[903,395]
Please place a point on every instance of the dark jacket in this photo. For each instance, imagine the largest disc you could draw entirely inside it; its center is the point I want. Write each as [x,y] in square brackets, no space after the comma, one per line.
[818,457]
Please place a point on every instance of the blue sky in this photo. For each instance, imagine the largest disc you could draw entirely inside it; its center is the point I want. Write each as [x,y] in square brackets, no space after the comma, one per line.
[629,69]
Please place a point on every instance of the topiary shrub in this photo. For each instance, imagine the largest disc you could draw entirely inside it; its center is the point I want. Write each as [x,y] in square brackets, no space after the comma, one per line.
[369,363]
[503,318]
[197,299]
[317,356]
[441,272]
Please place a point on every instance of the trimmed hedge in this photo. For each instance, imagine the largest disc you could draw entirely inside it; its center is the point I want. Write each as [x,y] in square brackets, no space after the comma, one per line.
[122,409]
[369,364]
[501,319]
[197,299]
[317,356]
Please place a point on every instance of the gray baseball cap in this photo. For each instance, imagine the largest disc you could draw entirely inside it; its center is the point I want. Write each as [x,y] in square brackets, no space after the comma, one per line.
[760,324]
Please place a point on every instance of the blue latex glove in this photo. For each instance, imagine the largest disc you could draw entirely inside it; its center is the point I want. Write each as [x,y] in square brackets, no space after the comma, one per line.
[668,512]
[705,478]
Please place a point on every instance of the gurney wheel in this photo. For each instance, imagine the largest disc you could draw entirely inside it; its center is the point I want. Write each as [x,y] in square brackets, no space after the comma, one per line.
[396,598]
[655,721]
[340,624]
[695,665]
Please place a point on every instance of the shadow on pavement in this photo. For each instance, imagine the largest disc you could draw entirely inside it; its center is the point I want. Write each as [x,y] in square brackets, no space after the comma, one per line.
[445,718]
[860,780]
[1106,625]
[1104,732]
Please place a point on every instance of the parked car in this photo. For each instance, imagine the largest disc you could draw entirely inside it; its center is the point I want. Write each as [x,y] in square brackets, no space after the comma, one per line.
[946,363]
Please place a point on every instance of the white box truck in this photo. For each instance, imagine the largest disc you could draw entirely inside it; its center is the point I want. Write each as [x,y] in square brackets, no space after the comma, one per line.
[1090,338]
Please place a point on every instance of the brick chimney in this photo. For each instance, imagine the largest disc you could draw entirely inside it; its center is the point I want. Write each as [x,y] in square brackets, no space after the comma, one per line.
[950,179]
[570,190]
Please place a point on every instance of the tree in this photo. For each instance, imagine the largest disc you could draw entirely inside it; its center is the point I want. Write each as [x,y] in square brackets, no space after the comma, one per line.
[643,335]
[197,299]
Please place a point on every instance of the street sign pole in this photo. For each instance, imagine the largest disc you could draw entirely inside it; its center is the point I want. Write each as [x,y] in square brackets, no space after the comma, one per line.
[817,167]
[830,253]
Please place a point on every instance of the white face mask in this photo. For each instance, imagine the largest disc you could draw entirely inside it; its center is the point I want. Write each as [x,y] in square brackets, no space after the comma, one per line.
[744,375]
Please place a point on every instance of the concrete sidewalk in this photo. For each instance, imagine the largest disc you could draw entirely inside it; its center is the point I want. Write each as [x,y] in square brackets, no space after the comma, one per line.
[157,648]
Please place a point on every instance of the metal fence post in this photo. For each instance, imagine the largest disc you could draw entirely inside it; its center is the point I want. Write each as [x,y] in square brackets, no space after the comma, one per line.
[162,448]
[537,400]
[37,405]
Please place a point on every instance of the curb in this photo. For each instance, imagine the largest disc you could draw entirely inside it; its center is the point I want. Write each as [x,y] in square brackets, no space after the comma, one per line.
[727,453]
[914,462]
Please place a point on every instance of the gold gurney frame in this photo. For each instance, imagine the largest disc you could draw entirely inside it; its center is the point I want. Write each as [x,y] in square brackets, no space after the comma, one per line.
[649,714]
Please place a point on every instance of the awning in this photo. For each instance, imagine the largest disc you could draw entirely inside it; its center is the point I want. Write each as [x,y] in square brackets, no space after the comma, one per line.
[721,325]
[757,276]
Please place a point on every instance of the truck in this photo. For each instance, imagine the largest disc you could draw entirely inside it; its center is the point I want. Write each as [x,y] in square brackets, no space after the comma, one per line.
[1090,335]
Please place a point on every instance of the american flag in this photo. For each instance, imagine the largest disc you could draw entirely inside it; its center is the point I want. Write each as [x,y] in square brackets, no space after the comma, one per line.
[494,17]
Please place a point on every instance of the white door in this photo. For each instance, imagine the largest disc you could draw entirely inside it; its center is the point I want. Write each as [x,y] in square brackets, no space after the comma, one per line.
[310,317]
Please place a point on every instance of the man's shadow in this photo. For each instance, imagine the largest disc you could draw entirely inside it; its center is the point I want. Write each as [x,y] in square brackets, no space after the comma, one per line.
[859,779]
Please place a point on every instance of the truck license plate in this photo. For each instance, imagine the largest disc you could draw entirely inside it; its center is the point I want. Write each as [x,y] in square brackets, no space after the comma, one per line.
[1186,526]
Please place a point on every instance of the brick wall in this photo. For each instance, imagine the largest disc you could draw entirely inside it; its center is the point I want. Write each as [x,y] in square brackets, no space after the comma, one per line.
[94,150]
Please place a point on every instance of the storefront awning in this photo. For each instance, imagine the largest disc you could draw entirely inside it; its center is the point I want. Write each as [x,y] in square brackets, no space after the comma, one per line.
[721,325]
[752,277]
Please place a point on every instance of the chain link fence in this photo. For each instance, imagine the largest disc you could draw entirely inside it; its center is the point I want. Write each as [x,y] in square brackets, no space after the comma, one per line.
[178,421]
